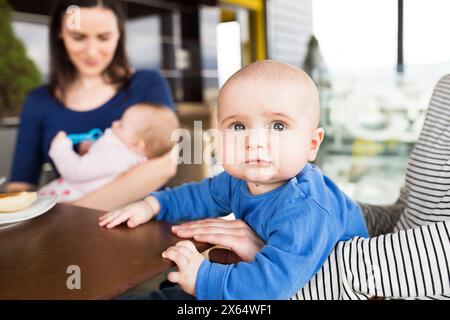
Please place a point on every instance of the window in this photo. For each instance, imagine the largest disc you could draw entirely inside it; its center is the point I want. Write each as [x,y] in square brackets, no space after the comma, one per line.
[371,114]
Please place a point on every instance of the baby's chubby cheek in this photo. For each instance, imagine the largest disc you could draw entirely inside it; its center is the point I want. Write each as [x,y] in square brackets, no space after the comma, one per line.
[289,164]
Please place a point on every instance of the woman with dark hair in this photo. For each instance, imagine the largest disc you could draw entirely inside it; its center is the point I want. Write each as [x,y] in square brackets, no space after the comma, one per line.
[91,85]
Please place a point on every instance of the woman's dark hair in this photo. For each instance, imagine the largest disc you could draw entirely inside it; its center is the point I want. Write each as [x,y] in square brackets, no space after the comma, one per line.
[62,71]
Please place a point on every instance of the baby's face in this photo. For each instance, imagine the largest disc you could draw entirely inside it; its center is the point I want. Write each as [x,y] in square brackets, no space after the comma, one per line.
[267,129]
[124,128]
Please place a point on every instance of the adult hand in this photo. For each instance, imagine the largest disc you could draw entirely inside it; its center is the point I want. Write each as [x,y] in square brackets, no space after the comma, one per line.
[233,234]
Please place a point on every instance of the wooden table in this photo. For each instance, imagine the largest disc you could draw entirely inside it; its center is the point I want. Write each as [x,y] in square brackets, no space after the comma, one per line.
[35,255]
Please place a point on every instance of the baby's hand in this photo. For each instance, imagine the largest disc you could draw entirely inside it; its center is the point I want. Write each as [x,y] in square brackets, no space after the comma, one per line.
[84,147]
[188,260]
[60,136]
[136,213]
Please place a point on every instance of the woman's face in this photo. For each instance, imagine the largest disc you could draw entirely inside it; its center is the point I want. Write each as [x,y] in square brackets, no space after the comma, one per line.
[91,43]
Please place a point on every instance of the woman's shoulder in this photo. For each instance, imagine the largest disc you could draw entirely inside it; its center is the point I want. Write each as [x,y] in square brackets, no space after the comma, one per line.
[143,79]
[147,75]
[41,92]
[150,85]
[39,100]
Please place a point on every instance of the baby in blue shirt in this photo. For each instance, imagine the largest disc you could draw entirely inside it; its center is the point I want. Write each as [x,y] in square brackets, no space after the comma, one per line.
[268,115]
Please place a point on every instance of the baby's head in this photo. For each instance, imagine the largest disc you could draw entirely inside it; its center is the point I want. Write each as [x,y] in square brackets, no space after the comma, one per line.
[268,113]
[147,128]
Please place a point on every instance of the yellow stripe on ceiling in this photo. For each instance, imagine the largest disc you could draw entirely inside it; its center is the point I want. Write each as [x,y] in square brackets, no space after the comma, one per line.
[249,4]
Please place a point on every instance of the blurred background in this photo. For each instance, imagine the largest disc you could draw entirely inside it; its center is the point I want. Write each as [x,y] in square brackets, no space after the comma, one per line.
[375,63]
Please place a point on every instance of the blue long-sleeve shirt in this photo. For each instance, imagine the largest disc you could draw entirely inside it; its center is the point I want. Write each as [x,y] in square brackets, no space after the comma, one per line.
[300,222]
[43,116]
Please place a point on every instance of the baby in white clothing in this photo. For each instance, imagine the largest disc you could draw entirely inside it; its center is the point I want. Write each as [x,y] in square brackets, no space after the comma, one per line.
[143,132]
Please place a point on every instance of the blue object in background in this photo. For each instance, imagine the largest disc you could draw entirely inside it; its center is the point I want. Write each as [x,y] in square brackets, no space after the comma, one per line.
[92,135]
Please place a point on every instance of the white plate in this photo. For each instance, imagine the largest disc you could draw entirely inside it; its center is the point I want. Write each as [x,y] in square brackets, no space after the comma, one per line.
[40,206]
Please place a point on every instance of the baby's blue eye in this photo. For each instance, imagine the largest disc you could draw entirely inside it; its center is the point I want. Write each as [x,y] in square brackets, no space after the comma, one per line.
[238,127]
[278,126]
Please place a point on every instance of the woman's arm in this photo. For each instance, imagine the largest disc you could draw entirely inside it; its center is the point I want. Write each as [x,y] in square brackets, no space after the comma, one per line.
[28,155]
[382,219]
[404,264]
[132,185]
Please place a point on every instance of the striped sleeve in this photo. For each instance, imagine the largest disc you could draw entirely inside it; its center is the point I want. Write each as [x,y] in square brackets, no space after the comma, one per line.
[383,219]
[406,264]
[427,181]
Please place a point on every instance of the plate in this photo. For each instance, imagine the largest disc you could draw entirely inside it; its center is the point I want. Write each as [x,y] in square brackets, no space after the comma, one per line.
[40,206]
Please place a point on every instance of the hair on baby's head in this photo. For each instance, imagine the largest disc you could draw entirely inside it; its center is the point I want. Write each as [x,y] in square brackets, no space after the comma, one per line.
[154,124]
[269,70]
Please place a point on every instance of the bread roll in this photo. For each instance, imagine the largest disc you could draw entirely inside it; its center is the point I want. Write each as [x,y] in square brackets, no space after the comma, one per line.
[16,201]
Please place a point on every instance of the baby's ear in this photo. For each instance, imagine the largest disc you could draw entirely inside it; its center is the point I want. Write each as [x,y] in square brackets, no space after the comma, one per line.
[315,143]
[140,146]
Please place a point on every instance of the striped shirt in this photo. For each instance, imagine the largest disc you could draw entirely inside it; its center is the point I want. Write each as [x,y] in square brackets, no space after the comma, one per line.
[408,255]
